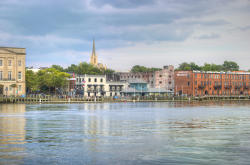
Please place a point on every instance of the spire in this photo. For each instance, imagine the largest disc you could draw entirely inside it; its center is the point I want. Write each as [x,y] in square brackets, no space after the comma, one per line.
[93,59]
[93,49]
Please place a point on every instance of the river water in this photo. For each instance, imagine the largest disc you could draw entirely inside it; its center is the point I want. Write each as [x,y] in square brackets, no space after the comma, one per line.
[125,133]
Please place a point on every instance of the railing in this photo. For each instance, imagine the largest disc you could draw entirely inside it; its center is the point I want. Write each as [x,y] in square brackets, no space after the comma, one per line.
[95,90]
[6,79]
[238,87]
[246,86]
[228,86]
[217,87]
[201,86]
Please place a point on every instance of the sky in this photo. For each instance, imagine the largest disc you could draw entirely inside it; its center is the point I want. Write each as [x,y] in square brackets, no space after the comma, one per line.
[152,33]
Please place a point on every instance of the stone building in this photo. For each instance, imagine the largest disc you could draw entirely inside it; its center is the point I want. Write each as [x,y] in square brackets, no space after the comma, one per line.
[197,83]
[163,78]
[12,71]
[94,59]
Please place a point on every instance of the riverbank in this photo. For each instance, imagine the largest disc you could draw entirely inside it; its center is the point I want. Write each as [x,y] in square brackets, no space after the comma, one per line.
[57,100]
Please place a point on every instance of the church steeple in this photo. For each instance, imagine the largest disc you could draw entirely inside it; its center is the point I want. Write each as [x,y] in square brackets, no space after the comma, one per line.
[93,59]
[93,49]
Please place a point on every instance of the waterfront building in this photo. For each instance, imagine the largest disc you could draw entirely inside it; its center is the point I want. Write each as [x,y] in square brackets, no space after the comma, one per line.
[163,78]
[35,70]
[142,88]
[94,59]
[96,85]
[12,71]
[198,83]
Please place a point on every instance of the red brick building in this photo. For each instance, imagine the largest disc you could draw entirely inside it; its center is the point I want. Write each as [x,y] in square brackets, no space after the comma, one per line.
[197,83]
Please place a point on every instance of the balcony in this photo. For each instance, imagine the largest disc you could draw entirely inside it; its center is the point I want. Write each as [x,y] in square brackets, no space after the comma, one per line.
[201,86]
[217,87]
[228,86]
[238,87]
[246,86]
[95,90]
[6,79]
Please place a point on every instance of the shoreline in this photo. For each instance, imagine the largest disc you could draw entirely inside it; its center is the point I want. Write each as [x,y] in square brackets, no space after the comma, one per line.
[31,101]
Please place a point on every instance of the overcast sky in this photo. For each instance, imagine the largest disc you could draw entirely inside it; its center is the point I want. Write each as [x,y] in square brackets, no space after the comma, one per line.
[128,32]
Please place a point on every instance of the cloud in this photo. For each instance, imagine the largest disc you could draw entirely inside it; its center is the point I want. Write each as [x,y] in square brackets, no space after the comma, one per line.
[208,36]
[49,28]
[122,3]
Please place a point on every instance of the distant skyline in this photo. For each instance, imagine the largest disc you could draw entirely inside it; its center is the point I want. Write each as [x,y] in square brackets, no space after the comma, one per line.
[152,33]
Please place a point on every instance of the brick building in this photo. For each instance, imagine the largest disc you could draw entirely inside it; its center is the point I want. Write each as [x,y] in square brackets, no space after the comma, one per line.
[196,83]
[163,78]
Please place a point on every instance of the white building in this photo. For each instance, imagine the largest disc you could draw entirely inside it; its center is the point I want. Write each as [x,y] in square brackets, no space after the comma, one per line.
[96,85]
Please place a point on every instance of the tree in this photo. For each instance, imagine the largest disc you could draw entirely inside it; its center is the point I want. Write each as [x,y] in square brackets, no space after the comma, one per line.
[57,67]
[227,66]
[72,68]
[31,81]
[230,66]
[108,71]
[138,68]
[50,79]
[194,66]
[184,66]
[211,67]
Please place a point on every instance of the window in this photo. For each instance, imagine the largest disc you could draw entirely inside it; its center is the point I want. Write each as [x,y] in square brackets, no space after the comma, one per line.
[9,62]
[89,79]
[19,75]
[9,75]
[188,83]
[1,75]
[95,79]
[160,82]
[19,87]
[160,75]
[19,63]
[1,62]
[101,80]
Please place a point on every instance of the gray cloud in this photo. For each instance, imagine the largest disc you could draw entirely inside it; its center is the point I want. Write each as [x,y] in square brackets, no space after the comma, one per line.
[123,3]
[208,36]
[58,25]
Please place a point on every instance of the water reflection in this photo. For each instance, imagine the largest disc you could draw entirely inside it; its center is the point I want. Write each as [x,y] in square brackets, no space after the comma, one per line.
[125,133]
[12,132]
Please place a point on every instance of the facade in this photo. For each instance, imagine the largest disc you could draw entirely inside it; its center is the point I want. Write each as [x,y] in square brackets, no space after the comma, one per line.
[141,88]
[95,86]
[12,71]
[94,59]
[196,83]
[163,78]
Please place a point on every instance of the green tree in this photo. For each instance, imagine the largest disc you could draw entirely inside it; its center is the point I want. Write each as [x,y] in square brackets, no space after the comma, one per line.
[108,71]
[57,67]
[230,66]
[194,66]
[50,79]
[138,68]
[211,67]
[72,68]
[31,81]
[184,66]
